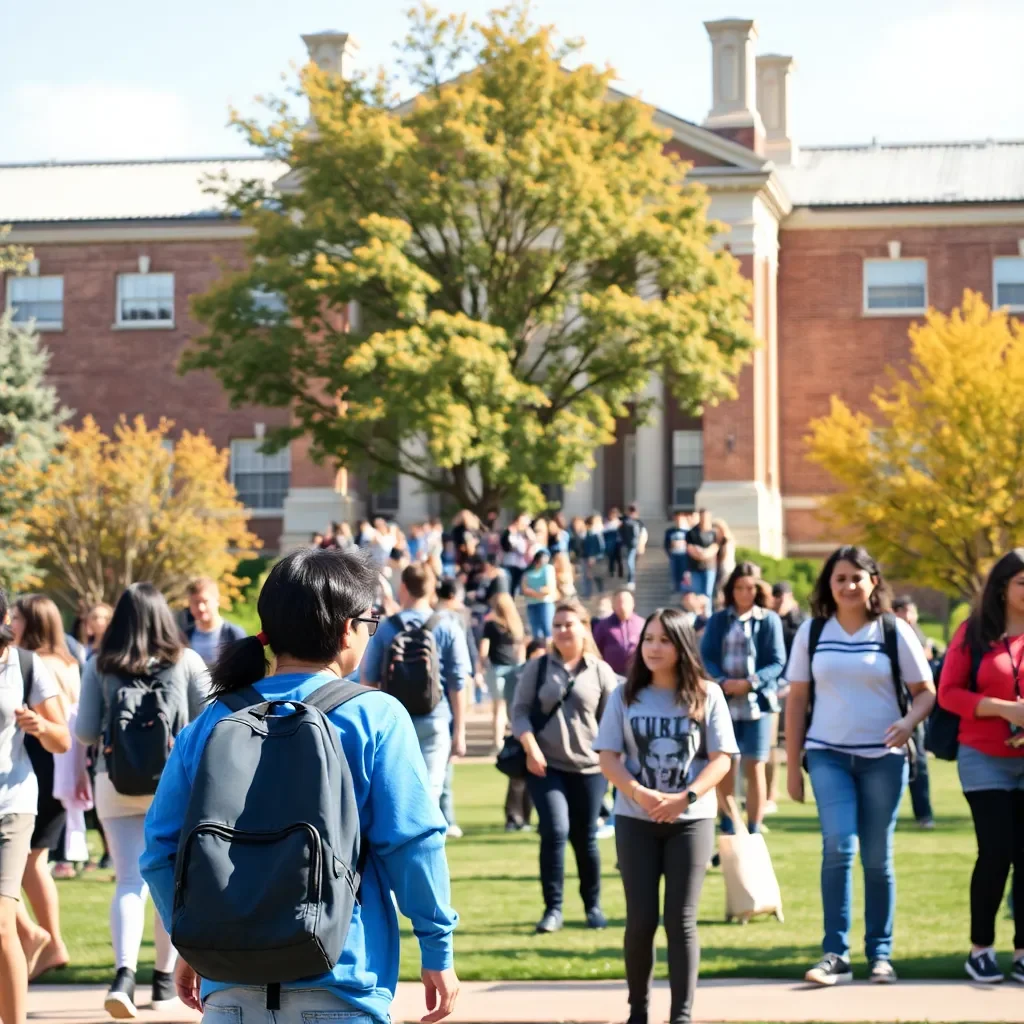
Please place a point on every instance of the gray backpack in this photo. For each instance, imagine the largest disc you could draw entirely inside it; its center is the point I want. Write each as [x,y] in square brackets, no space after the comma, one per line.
[269,861]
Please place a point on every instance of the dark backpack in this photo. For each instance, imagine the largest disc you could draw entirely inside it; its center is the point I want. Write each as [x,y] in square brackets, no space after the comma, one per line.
[506,541]
[412,667]
[269,861]
[942,734]
[146,714]
[629,533]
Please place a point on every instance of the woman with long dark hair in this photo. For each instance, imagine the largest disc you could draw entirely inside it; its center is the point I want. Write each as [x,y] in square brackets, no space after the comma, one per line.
[141,647]
[745,653]
[982,683]
[666,741]
[315,614]
[857,742]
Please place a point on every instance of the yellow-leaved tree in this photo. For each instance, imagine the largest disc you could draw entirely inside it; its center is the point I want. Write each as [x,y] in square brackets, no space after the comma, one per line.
[110,511]
[933,485]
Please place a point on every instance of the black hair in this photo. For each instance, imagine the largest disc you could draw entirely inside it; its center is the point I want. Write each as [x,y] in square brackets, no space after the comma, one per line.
[743,570]
[447,589]
[534,646]
[303,607]
[540,555]
[782,587]
[690,691]
[988,620]
[142,630]
[6,633]
[902,603]
[823,604]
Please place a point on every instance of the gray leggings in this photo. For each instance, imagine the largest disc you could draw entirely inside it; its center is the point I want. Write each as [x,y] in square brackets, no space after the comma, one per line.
[679,851]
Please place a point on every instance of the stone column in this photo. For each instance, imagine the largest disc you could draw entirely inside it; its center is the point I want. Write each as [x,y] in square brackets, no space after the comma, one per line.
[651,487]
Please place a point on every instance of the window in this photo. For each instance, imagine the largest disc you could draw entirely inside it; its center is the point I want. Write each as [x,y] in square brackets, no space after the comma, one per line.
[145,300]
[261,480]
[1008,282]
[687,467]
[892,287]
[387,501]
[268,306]
[37,298]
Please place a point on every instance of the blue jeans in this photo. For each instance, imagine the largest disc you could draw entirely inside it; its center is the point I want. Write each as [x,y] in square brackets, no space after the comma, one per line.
[680,566]
[920,787]
[702,581]
[298,1006]
[541,617]
[858,799]
[434,733]
[448,793]
[631,554]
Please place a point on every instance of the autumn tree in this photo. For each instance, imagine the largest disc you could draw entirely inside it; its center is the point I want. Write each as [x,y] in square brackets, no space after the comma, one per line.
[933,483]
[471,287]
[111,511]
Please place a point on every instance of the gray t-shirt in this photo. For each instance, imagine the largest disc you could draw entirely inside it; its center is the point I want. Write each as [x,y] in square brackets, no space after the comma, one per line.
[665,750]
[207,645]
[19,791]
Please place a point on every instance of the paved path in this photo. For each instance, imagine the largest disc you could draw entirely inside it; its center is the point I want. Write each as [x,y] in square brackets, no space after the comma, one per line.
[602,1002]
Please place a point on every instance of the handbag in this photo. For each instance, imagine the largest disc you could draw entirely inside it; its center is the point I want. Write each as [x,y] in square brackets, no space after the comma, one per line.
[942,736]
[511,760]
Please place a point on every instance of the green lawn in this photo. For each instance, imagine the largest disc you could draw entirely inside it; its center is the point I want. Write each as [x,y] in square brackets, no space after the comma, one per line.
[497,894]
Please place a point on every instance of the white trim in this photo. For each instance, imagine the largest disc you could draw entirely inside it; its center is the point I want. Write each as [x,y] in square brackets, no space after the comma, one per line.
[128,232]
[43,326]
[144,325]
[805,218]
[147,325]
[800,503]
[995,290]
[892,312]
[265,513]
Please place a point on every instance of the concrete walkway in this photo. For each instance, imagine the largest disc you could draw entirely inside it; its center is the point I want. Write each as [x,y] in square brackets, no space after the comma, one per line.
[602,1002]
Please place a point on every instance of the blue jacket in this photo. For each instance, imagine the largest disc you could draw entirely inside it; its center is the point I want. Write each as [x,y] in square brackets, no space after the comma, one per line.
[593,544]
[769,653]
[403,825]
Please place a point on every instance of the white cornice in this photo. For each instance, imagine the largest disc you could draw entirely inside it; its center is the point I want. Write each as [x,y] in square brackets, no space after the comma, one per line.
[65,232]
[953,215]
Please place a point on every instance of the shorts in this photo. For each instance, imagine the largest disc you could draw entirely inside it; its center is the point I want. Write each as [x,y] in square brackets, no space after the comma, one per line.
[981,772]
[755,738]
[15,841]
[498,680]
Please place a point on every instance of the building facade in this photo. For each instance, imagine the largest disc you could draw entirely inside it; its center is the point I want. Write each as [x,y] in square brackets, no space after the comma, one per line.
[844,246]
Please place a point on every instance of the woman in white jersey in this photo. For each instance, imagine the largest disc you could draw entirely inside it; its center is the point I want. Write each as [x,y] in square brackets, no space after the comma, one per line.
[857,749]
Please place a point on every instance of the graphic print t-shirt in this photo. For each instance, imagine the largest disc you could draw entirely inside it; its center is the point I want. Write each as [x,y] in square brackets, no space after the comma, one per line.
[664,749]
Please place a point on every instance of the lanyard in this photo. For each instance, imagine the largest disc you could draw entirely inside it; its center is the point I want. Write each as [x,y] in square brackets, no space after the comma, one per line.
[1016,665]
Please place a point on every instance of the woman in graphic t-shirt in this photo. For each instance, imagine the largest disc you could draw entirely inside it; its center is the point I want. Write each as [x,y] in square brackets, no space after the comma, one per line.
[857,746]
[666,741]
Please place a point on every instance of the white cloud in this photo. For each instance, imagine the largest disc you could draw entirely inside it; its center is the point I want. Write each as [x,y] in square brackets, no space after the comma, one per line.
[97,121]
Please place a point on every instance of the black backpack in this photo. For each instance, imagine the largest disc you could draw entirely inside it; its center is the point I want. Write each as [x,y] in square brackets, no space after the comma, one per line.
[942,734]
[629,533]
[506,541]
[412,668]
[270,857]
[146,714]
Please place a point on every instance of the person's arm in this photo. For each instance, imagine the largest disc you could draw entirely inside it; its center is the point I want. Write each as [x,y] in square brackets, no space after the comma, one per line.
[710,552]
[798,676]
[917,676]
[955,694]
[89,724]
[770,639]
[456,669]
[46,722]
[522,727]
[198,684]
[485,648]
[711,648]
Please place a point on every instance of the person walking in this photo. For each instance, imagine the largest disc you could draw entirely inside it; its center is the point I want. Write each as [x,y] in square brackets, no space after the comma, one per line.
[565,576]
[675,548]
[744,653]
[725,560]
[787,609]
[665,742]
[501,654]
[30,705]
[314,614]
[702,551]
[210,631]
[613,543]
[95,624]
[142,648]
[982,683]
[591,552]
[632,541]
[571,685]
[618,635]
[540,588]
[515,546]
[846,707]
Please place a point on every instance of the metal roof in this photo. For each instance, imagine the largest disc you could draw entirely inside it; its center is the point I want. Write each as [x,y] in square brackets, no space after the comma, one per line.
[117,191]
[883,175]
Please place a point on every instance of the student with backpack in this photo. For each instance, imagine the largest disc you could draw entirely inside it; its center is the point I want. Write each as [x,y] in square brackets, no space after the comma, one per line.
[423,661]
[981,684]
[859,686]
[143,687]
[632,540]
[291,811]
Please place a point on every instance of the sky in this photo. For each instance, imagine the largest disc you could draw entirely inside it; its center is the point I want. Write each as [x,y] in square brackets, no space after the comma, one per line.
[119,79]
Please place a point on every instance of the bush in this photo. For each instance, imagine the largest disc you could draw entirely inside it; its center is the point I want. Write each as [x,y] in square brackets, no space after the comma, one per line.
[800,573]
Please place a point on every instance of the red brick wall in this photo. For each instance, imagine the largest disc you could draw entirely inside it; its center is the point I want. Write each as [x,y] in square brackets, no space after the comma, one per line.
[693,156]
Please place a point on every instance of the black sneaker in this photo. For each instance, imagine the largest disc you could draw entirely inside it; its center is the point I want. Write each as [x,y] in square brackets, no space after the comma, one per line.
[165,994]
[984,969]
[550,922]
[830,970]
[1017,972]
[120,1001]
[596,919]
[882,973]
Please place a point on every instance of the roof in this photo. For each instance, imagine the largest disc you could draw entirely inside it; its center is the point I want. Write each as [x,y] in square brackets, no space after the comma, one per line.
[118,191]
[885,175]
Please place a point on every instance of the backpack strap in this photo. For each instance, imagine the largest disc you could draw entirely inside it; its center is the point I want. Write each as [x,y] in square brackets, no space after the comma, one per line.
[891,638]
[397,624]
[817,625]
[28,675]
[332,695]
[239,700]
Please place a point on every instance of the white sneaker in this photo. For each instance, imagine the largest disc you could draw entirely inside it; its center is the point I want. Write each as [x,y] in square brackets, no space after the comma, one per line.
[606,831]
[771,807]
[454,832]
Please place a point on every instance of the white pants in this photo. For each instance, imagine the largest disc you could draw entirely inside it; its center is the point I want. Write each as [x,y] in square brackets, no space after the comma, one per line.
[245,1004]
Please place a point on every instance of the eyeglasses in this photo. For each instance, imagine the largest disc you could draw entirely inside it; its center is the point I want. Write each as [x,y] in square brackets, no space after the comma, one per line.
[371,624]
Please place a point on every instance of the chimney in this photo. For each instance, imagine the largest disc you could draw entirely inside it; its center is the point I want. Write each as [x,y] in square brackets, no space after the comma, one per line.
[774,74]
[332,51]
[733,108]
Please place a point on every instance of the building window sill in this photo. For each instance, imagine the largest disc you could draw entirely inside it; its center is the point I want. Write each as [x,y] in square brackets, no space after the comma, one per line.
[143,325]
[48,328]
[893,313]
[265,513]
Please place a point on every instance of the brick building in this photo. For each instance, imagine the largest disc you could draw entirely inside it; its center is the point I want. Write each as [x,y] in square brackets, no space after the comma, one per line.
[845,247]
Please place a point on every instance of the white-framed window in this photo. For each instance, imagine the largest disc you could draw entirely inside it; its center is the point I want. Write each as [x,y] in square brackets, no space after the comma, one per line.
[145,300]
[895,287]
[687,467]
[269,307]
[37,298]
[261,480]
[1008,282]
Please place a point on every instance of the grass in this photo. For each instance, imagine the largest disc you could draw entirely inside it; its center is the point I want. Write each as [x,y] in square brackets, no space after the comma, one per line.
[495,889]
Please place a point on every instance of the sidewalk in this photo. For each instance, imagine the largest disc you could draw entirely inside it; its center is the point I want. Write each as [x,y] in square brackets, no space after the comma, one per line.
[603,1002]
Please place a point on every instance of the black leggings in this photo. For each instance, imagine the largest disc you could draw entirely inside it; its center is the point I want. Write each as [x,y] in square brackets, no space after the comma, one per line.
[680,851]
[999,826]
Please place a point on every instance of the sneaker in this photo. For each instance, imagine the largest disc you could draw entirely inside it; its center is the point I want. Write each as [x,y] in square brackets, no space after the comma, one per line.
[1017,972]
[165,994]
[120,1001]
[926,824]
[596,919]
[830,970]
[550,922]
[771,807]
[63,869]
[983,968]
[606,831]
[882,973]
[105,862]
[454,832]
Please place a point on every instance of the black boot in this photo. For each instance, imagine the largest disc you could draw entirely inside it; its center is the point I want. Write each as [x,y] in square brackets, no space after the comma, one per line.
[120,1001]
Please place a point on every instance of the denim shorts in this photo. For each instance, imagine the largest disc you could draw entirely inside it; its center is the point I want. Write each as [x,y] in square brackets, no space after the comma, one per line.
[755,738]
[498,680]
[980,772]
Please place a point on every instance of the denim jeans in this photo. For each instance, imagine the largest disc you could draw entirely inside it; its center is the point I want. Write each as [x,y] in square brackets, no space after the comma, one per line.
[920,787]
[858,799]
[448,794]
[541,617]
[434,734]
[679,566]
[630,555]
[702,581]
[591,579]
[247,1004]
[567,806]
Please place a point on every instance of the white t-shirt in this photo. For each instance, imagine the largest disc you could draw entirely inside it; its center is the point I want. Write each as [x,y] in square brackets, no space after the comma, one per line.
[854,695]
[19,791]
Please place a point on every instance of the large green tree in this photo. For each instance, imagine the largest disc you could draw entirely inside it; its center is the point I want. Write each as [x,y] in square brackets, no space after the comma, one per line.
[475,284]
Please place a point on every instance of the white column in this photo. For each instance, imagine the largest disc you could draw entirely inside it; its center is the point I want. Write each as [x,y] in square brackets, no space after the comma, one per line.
[651,490]
[308,510]
[579,499]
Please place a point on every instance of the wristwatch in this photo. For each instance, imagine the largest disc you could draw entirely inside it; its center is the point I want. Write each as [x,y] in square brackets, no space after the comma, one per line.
[692,797]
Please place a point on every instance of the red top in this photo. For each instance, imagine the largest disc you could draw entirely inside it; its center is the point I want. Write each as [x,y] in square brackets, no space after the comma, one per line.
[995,679]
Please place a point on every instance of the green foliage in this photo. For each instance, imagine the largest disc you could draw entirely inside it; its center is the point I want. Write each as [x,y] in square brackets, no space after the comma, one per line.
[802,573]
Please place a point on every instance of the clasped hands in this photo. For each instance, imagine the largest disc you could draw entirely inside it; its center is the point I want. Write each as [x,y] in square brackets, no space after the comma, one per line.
[662,807]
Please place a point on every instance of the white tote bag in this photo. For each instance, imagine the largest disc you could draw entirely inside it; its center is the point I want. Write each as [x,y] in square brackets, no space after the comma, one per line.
[751,888]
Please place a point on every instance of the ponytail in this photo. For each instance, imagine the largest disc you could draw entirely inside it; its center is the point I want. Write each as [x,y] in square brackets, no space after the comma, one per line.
[240,664]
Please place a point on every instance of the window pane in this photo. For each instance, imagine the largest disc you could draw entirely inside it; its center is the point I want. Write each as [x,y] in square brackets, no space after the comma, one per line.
[37,298]
[687,447]
[1010,295]
[146,297]
[1009,277]
[687,466]
[896,297]
[896,284]
[262,481]
[269,306]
